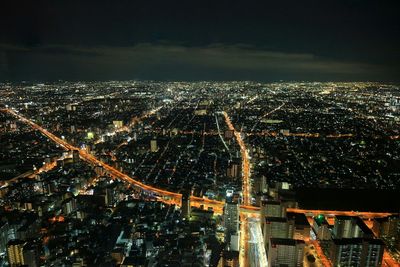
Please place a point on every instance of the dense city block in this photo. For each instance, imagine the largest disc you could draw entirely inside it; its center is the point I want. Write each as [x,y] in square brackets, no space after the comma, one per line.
[142,173]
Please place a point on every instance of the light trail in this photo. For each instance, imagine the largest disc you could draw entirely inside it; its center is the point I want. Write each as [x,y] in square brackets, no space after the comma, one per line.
[244,226]
[245,162]
[361,214]
[325,261]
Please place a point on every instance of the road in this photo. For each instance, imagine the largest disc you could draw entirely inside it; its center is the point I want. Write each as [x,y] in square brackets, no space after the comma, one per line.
[245,162]
[244,257]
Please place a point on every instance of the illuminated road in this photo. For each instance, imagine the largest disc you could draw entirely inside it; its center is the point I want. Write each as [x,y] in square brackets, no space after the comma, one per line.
[244,225]
[90,158]
[331,213]
[245,162]
[388,260]
[322,258]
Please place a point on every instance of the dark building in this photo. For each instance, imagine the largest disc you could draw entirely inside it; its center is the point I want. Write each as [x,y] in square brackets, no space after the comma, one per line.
[186,205]
[75,156]
[356,252]
[285,252]
[276,227]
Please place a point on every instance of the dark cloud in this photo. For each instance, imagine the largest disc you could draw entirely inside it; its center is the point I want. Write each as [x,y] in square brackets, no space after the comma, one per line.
[168,62]
[338,39]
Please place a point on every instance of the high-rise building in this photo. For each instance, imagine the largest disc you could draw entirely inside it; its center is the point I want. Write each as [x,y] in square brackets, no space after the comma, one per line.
[356,252]
[110,195]
[322,228]
[271,208]
[285,252]
[234,168]
[22,253]
[353,243]
[372,252]
[387,226]
[344,227]
[153,146]
[274,209]
[263,187]
[31,254]
[350,227]
[75,156]
[346,252]
[234,241]
[185,205]
[229,259]
[15,252]
[231,216]
[69,205]
[300,225]
[4,228]
[276,227]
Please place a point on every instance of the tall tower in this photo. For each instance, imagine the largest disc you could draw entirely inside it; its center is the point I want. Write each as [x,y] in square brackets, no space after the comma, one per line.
[286,252]
[75,156]
[153,145]
[276,227]
[186,205]
[15,252]
[231,216]
[271,208]
[31,254]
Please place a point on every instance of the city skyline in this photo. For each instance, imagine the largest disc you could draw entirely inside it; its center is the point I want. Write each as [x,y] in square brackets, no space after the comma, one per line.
[203,173]
[200,133]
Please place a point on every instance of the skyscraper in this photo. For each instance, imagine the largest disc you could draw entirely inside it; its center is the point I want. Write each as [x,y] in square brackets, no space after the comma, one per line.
[31,254]
[185,205]
[153,145]
[388,226]
[357,252]
[276,227]
[300,226]
[231,216]
[75,156]
[350,227]
[22,253]
[271,208]
[322,228]
[285,252]
[15,252]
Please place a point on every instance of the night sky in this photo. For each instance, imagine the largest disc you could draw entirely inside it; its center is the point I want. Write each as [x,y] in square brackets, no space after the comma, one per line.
[321,40]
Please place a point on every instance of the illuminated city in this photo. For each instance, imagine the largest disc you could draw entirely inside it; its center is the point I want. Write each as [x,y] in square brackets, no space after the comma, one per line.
[228,159]
[200,133]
